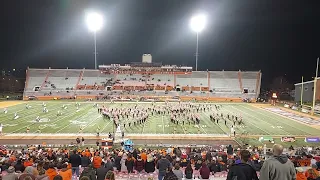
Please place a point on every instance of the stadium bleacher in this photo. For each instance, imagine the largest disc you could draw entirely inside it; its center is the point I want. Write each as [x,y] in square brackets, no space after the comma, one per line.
[80,82]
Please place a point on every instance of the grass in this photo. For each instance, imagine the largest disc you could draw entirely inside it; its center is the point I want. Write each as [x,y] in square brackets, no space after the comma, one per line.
[257,121]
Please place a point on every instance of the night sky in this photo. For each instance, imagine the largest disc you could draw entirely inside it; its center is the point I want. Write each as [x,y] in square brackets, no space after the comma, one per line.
[278,37]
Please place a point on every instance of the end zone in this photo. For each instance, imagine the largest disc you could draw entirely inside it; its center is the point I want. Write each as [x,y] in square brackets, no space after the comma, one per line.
[4,104]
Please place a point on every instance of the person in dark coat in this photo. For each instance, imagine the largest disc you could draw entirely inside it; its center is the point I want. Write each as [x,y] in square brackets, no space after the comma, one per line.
[117,161]
[139,164]
[89,172]
[101,172]
[188,171]
[85,161]
[170,175]
[242,170]
[204,171]
[214,167]
[150,164]
[129,163]
[75,161]
[19,166]
[108,165]
[198,164]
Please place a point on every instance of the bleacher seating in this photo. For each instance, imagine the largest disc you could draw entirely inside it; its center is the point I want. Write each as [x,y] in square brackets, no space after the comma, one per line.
[69,82]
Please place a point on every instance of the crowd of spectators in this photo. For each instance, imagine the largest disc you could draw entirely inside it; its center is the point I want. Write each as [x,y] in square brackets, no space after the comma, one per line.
[169,164]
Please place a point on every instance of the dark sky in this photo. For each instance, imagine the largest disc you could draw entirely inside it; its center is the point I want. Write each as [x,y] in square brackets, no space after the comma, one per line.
[279,37]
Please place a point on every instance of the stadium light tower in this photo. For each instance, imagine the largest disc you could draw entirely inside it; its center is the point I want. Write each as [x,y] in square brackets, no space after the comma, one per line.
[197,24]
[94,22]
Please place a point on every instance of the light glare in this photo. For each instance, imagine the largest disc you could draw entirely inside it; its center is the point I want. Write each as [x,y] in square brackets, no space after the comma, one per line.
[94,21]
[198,23]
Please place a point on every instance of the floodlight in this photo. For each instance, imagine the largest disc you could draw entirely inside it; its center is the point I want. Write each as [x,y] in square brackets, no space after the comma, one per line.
[198,23]
[94,21]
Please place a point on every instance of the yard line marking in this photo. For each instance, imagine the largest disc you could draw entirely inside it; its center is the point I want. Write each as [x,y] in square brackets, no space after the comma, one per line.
[144,124]
[214,123]
[61,118]
[23,116]
[106,125]
[263,121]
[162,124]
[84,126]
[203,129]
[277,120]
[37,123]
[250,122]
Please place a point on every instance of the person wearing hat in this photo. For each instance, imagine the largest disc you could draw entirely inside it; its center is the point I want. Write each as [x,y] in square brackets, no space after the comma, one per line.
[300,174]
[11,174]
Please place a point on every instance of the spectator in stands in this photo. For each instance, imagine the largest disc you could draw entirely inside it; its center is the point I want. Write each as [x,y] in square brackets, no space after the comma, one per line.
[51,172]
[75,161]
[108,165]
[170,175]
[97,161]
[42,174]
[85,161]
[139,164]
[65,173]
[130,163]
[198,164]
[30,172]
[188,171]
[162,165]
[19,167]
[102,172]
[300,174]
[312,173]
[214,167]
[117,161]
[177,171]
[110,176]
[204,171]
[89,172]
[150,165]
[57,177]
[11,174]
[123,162]
[278,166]
[242,170]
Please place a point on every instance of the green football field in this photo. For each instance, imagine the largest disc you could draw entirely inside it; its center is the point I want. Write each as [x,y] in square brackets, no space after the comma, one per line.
[257,121]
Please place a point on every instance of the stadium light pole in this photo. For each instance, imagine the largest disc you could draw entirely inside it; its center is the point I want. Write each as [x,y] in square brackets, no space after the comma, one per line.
[315,88]
[94,22]
[197,24]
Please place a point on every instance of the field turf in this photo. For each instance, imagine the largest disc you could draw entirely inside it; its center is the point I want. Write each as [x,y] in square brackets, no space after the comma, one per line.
[257,121]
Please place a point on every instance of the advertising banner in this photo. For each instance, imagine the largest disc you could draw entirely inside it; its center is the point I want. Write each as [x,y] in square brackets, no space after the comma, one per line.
[312,139]
[288,139]
[266,138]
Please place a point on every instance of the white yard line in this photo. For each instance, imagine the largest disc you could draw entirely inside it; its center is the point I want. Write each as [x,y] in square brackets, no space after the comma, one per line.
[263,121]
[162,124]
[106,125]
[203,129]
[214,123]
[40,124]
[23,116]
[279,116]
[82,128]
[250,122]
